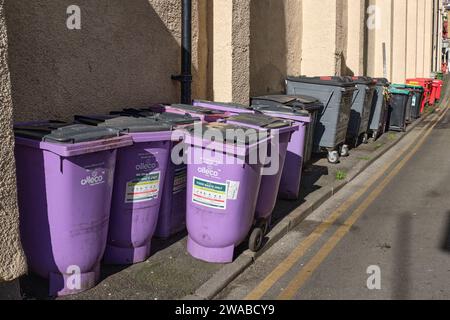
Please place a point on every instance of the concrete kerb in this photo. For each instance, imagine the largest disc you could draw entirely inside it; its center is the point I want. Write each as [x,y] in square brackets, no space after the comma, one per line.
[231,271]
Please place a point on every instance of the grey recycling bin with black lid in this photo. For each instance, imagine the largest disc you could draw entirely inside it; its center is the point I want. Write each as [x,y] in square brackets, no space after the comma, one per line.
[358,126]
[380,108]
[336,95]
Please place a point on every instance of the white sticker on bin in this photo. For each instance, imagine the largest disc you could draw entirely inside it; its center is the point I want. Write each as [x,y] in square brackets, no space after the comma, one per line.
[233,189]
[143,188]
[209,194]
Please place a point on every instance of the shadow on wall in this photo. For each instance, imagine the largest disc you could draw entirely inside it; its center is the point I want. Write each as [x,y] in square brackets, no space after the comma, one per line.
[268,48]
[123,56]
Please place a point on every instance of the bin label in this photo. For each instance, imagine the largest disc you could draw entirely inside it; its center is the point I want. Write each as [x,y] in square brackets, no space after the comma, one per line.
[210,194]
[414,99]
[144,188]
[233,189]
[180,180]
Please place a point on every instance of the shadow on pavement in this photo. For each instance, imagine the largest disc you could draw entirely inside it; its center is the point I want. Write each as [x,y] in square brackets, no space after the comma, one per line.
[446,240]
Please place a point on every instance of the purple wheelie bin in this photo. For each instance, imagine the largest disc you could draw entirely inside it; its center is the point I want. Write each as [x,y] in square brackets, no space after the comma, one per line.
[206,115]
[172,214]
[138,186]
[222,193]
[281,131]
[231,109]
[293,166]
[65,177]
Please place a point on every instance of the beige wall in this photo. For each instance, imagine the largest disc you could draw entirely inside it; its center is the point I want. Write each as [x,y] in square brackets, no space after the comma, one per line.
[12,261]
[124,55]
[319,43]
[399,41]
[356,35]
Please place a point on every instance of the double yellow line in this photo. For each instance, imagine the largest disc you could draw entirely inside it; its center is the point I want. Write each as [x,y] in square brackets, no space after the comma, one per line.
[304,274]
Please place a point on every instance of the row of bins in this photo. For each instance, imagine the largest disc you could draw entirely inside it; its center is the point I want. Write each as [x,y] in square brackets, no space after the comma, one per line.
[100,188]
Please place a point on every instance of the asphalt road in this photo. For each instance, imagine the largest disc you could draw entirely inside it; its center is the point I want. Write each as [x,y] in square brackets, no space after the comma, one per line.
[393,221]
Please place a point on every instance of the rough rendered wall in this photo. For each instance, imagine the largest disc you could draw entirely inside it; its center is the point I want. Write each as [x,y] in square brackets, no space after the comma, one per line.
[275,48]
[123,56]
[12,262]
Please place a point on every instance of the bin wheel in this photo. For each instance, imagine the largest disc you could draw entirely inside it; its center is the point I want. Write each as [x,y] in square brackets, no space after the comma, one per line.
[256,240]
[264,225]
[333,157]
[365,139]
[375,135]
[345,151]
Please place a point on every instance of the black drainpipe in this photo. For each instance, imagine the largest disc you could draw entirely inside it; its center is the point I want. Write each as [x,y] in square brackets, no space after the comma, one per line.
[186,54]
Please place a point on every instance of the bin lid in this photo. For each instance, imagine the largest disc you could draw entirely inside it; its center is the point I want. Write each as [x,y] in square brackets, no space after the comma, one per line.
[298,101]
[176,119]
[126,123]
[195,109]
[382,82]
[261,120]
[399,91]
[286,110]
[249,139]
[135,125]
[406,86]
[64,133]
[131,112]
[327,80]
[224,104]
[363,80]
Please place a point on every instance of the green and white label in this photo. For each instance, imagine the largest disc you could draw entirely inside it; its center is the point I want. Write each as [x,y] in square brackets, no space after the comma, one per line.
[144,188]
[210,194]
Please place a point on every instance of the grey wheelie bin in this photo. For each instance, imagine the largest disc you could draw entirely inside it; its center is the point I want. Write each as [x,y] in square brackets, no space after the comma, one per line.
[306,103]
[360,114]
[379,112]
[397,109]
[336,95]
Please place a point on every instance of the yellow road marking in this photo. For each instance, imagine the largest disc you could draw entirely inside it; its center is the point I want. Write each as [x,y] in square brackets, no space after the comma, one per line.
[306,272]
[300,250]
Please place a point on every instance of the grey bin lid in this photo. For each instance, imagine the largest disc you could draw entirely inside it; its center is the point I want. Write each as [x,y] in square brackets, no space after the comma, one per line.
[297,101]
[200,110]
[286,110]
[363,80]
[136,125]
[64,133]
[327,81]
[224,104]
[176,119]
[250,137]
[382,82]
[261,120]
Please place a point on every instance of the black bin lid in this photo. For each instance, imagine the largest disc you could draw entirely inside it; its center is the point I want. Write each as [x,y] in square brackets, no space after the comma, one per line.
[200,110]
[325,80]
[261,120]
[137,113]
[249,138]
[125,124]
[63,133]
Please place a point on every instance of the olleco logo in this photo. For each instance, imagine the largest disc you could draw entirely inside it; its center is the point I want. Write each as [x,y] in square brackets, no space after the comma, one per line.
[93,179]
[146,166]
[208,172]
